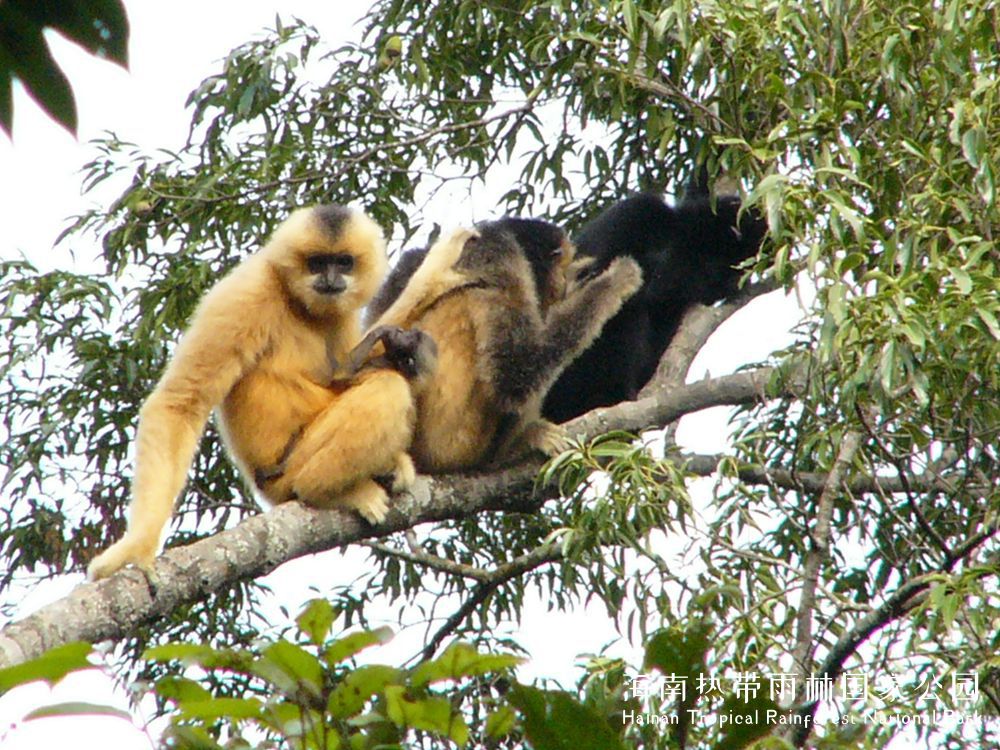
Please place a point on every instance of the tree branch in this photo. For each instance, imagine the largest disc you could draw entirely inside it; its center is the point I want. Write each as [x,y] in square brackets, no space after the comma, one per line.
[419,557]
[695,328]
[539,556]
[817,554]
[112,608]
[665,405]
[706,465]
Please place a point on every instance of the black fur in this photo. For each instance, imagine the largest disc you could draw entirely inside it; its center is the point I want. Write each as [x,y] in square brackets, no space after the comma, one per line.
[687,254]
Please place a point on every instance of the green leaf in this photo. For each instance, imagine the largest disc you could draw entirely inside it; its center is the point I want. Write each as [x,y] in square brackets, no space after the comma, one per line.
[973,146]
[316,620]
[349,645]
[678,652]
[200,655]
[991,322]
[51,666]
[554,720]
[887,366]
[429,714]
[290,668]
[75,708]
[747,721]
[461,660]
[962,280]
[6,104]
[181,689]
[31,61]
[190,738]
[223,708]
[351,694]
[850,215]
[188,653]
[501,722]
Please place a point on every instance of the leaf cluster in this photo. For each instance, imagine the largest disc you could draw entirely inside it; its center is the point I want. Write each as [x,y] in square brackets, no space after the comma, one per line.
[99,26]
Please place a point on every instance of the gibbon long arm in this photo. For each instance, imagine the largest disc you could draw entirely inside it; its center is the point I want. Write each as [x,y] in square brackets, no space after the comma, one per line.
[172,421]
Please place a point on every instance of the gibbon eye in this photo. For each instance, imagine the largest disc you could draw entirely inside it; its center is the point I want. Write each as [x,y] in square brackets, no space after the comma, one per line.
[343,262]
[318,264]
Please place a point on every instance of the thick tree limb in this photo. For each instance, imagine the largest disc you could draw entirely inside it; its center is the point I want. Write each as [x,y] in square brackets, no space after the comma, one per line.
[663,408]
[112,608]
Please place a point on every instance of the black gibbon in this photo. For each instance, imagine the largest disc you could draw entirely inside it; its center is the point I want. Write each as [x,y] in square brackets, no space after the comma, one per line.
[688,255]
[494,300]
[264,346]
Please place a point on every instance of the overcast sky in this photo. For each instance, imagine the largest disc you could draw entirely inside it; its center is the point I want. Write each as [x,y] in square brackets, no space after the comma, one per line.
[173,47]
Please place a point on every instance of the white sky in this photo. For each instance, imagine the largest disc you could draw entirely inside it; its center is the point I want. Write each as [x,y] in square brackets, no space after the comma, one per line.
[173,47]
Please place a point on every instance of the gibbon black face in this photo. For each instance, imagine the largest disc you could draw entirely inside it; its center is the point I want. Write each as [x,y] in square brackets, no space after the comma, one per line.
[332,271]
[411,353]
[330,260]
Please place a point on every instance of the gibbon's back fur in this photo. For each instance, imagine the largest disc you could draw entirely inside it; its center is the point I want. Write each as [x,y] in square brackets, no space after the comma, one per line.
[689,254]
[493,299]
[265,345]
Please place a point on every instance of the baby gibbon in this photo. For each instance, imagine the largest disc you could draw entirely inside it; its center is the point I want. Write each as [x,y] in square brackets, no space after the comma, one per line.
[265,346]
[494,300]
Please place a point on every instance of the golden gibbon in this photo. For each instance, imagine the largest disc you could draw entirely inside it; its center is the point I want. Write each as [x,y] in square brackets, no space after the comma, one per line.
[495,301]
[266,346]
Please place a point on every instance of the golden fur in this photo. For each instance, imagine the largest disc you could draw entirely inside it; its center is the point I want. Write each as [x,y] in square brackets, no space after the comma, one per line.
[504,332]
[264,346]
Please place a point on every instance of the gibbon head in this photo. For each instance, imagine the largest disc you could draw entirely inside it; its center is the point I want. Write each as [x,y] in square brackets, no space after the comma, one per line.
[412,353]
[329,259]
[549,253]
[521,248]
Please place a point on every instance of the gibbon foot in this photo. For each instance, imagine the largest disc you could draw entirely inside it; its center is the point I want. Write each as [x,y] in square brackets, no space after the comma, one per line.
[368,499]
[137,551]
[546,437]
[405,473]
[264,474]
[402,478]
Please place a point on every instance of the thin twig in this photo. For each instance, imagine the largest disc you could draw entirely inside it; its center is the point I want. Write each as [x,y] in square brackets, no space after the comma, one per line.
[539,556]
[817,555]
[431,561]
